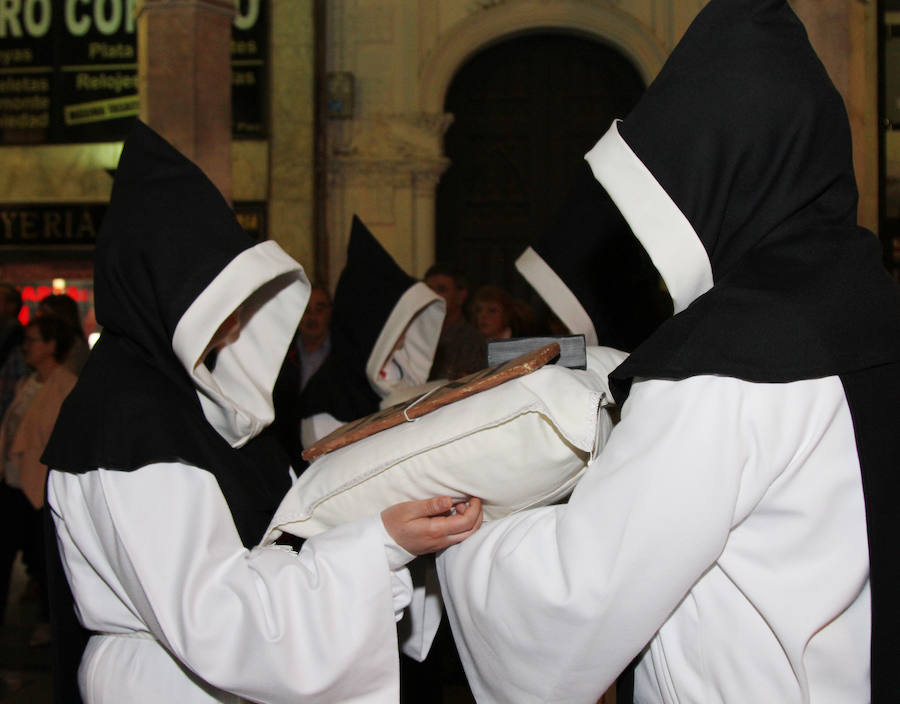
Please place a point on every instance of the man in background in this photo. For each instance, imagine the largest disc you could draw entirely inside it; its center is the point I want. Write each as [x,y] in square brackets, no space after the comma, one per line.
[461,348]
[314,333]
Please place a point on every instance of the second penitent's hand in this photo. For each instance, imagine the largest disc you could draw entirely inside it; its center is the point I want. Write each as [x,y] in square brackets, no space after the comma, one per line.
[420,527]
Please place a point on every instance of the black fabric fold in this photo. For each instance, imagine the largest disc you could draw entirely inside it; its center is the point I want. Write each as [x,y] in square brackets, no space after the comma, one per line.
[873,395]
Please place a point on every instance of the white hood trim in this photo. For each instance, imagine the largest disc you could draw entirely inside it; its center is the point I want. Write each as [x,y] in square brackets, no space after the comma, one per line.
[556,295]
[273,290]
[655,219]
[420,312]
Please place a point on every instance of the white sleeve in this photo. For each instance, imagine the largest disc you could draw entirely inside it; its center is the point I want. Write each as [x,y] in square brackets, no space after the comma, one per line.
[402,589]
[551,604]
[267,623]
[423,617]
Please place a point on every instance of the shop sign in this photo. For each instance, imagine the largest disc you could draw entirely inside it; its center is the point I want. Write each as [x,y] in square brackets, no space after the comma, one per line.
[249,52]
[77,224]
[68,70]
[40,225]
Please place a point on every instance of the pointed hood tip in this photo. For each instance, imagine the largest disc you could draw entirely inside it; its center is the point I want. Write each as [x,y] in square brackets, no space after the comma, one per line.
[365,252]
[161,202]
[147,155]
[369,287]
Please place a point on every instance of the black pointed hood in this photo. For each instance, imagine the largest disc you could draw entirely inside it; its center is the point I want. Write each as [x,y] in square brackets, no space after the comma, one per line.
[734,171]
[745,132]
[166,235]
[375,302]
[369,287]
[172,263]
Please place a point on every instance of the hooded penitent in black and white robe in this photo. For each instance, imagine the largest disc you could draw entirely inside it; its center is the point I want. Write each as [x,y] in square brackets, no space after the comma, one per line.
[737,532]
[385,327]
[164,477]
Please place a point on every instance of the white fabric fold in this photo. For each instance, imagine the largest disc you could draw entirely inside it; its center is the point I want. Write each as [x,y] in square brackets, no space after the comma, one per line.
[418,315]
[237,396]
[556,295]
[318,626]
[425,610]
[655,219]
[314,428]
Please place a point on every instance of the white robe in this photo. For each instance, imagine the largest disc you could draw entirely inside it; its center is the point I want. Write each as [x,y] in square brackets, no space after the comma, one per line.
[723,524]
[159,573]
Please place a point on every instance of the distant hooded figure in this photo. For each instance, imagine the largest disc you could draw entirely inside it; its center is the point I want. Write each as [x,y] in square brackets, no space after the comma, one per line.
[164,475]
[385,328]
[738,533]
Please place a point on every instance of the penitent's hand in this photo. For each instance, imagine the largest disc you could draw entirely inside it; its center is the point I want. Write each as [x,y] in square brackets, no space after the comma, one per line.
[425,526]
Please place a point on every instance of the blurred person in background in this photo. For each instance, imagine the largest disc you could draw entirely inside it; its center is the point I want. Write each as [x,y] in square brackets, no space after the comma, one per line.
[65,308]
[460,349]
[314,333]
[311,346]
[12,369]
[492,310]
[24,432]
[12,363]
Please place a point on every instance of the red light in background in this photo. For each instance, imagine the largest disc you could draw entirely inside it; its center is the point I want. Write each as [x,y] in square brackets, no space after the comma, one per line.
[78,294]
[34,294]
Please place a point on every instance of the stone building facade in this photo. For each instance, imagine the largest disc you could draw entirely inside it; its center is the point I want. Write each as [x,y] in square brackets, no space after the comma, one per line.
[376,148]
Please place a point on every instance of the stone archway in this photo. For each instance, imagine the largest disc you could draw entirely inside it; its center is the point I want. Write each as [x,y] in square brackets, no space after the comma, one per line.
[385,164]
[478,31]
[526,110]
[624,41]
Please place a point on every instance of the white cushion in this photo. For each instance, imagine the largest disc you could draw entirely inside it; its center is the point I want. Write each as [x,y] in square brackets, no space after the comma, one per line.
[523,443]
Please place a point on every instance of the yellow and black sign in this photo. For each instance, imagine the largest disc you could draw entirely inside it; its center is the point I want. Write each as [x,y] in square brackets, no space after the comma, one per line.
[68,70]
[38,225]
[101,110]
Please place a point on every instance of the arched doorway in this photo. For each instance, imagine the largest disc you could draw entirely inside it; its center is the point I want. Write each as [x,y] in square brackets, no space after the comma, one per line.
[525,112]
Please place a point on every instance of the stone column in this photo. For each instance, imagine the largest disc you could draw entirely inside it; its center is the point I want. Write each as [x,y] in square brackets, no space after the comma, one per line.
[385,168]
[184,79]
[292,130]
[422,231]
